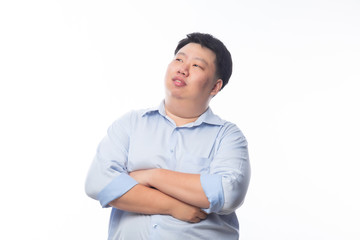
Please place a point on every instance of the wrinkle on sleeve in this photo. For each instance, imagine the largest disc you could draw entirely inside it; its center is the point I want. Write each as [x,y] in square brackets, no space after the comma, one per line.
[229,177]
[108,177]
[212,186]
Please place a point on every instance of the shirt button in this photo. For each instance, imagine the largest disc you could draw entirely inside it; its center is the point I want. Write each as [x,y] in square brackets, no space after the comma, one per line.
[155,226]
[171,150]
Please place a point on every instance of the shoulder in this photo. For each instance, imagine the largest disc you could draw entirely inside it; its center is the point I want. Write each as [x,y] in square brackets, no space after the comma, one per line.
[231,127]
[231,132]
[226,127]
[133,117]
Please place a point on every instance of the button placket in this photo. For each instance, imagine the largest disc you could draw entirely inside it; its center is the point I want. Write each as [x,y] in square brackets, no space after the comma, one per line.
[155,227]
[172,149]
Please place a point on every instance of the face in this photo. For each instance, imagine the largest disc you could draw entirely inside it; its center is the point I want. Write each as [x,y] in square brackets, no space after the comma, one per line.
[191,75]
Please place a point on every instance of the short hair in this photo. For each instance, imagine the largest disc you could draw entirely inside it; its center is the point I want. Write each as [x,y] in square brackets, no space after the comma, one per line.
[223,60]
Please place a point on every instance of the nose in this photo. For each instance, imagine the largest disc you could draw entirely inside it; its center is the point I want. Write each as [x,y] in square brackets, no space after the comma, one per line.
[183,70]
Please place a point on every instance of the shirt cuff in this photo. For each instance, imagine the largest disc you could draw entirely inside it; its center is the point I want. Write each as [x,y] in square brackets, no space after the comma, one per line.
[115,189]
[212,186]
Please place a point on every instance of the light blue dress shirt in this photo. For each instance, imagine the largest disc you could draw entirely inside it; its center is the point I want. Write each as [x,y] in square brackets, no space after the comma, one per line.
[210,146]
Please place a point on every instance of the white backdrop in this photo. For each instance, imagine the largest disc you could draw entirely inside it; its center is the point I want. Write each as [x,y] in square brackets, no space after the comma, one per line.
[70,68]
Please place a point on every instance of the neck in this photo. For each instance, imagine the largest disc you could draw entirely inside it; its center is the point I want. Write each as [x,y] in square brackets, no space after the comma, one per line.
[182,112]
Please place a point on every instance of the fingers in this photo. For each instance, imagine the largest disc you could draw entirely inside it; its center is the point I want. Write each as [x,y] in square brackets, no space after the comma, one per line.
[201,215]
[141,176]
[195,220]
[188,213]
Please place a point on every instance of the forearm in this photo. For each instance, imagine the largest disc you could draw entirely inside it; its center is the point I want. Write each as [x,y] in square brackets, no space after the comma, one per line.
[141,199]
[183,186]
[145,200]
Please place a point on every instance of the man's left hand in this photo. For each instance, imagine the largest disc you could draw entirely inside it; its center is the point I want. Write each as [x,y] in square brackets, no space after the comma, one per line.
[142,176]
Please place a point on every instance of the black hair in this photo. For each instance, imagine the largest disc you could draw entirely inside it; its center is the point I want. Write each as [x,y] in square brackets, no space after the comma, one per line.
[223,60]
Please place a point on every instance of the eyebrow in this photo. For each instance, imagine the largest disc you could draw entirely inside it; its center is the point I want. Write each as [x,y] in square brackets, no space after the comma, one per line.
[196,58]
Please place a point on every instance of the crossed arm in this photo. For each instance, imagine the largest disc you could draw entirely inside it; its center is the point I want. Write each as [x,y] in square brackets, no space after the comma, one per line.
[168,192]
[160,191]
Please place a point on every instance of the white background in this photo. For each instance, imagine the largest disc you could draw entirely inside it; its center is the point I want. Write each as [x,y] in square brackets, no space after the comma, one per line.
[70,68]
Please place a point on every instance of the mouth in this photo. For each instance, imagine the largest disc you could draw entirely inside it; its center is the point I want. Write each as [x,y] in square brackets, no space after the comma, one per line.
[179,82]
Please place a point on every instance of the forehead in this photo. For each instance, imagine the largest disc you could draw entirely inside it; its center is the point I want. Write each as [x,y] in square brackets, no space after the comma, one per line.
[195,50]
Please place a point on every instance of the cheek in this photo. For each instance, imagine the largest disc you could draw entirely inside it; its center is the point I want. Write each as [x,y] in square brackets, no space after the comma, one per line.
[170,69]
[203,82]
[167,72]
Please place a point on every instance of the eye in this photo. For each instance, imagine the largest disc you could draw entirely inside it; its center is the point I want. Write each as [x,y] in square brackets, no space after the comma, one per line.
[178,60]
[197,66]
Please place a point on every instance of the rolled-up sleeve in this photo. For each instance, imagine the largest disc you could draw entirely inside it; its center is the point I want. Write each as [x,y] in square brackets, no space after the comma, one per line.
[227,182]
[108,177]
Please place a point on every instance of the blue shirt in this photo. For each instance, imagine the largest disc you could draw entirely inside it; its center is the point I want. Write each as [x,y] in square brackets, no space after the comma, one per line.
[146,139]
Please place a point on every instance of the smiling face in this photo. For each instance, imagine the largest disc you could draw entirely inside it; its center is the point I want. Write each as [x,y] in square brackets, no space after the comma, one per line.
[190,76]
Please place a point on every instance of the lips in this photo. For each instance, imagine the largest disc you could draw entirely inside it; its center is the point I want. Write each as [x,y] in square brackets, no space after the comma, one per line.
[179,82]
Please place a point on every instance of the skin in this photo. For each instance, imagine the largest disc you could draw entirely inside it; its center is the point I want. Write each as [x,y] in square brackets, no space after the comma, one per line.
[183,186]
[145,200]
[190,83]
[195,66]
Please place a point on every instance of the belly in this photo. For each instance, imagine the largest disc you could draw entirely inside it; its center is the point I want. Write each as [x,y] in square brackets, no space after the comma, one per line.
[126,225]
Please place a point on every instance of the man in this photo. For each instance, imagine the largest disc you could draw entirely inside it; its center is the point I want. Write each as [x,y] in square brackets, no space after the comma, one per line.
[176,171]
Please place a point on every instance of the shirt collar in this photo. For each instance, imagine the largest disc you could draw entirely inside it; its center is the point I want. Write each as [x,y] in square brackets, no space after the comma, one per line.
[207,117]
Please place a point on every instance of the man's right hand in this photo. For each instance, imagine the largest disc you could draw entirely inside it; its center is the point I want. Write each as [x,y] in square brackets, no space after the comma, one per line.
[188,213]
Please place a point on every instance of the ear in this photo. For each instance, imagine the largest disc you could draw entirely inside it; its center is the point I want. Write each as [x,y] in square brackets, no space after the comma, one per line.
[217,87]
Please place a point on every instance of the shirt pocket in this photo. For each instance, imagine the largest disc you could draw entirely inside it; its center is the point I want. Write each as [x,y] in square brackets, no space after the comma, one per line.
[194,164]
